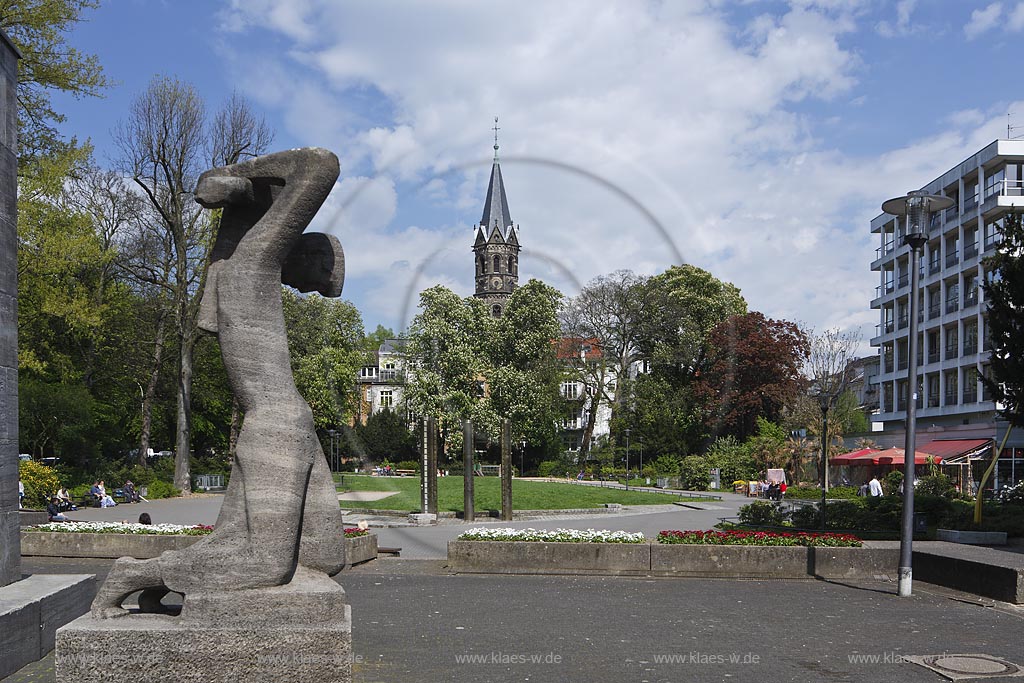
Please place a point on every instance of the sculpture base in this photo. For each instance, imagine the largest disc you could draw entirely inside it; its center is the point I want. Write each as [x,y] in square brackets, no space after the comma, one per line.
[298,633]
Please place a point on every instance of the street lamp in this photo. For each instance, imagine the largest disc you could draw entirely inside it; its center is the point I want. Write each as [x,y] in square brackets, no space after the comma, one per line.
[522,452]
[915,206]
[334,464]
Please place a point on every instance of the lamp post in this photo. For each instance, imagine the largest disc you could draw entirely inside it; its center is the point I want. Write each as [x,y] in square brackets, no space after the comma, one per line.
[522,454]
[334,460]
[915,206]
[825,402]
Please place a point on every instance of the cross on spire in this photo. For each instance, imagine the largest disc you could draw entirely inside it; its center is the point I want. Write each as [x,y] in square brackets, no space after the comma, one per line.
[496,129]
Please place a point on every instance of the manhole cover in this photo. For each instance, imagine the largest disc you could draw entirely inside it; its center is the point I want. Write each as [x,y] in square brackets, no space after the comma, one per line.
[960,667]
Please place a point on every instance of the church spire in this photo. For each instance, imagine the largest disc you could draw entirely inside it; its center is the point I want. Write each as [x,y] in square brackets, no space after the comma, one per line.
[495,204]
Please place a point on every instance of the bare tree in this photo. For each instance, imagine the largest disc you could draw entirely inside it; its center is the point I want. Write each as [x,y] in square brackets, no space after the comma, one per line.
[830,369]
[165,144]
[606,316]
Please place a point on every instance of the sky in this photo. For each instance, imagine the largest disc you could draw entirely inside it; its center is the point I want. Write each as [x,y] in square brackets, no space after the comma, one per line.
[755,139]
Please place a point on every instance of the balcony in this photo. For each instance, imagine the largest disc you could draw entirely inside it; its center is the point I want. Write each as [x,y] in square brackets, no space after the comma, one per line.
[951,351]
[903,322]
[887,327]
[902,364]
[987,344]
[901,405]
[970,204]
[887,364]
[970,251]
[935,221]
[951,399]
[887,288]
[933,400]
[934,266]
[952,212]
[886,248]
[952,305]
[952,259]
[1012,188]
[986,393]
[970,396]
[903,281]
[971,299]
[992,241]
[970,348]
[934,356]
[934,310]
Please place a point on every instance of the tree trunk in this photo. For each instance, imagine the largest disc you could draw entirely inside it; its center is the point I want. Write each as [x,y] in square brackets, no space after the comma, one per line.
[150,394]
[183,440]
[236,426]
[588,431]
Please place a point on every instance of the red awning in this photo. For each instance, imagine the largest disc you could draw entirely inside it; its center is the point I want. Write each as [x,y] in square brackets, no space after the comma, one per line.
[890,456]
[847,458]
[955,448]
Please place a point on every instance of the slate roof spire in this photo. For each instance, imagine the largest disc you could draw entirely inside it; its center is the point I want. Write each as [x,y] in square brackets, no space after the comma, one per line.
[496,204]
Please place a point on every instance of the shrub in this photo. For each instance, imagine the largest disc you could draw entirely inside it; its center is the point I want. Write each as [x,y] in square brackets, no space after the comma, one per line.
[762,513]
[803,493]
[40,483]
[891,482]
[551,468]
[161,489]
[806,517]
[938,485]
[694,473]
[408,465]
[764,538]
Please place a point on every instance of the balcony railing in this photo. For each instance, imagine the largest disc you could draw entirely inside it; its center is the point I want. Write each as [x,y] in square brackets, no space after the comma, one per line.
[903,281]
[887,364]
[970,348]
[934,310]
[903,322]
[952,305]
[971,396]
[934,266]
[970,251]
[952,212]
[934,356]
[993,240]
[971,299]
[970,204]
[1012,188]
[902,364]
[951,399]
[935,222]
[952,259]
[901,405]
[887,288]
[951,351]
[986,393]
[886,248]
[933,400]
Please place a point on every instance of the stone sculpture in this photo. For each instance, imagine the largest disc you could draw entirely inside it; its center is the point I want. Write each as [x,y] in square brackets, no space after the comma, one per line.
[280,514]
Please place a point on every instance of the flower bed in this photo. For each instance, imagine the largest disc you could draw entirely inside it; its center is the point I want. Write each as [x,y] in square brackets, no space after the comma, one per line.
[123,528]
[552,535]
[355,532]
[762,538]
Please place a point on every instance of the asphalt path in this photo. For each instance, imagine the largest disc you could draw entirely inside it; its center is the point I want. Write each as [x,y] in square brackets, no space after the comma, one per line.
[431,542]
[414,622]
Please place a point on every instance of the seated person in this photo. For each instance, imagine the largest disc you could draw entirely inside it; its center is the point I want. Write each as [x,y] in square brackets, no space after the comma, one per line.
[105,500]
[130,494]
[94,493]
[64,500]
[53,513]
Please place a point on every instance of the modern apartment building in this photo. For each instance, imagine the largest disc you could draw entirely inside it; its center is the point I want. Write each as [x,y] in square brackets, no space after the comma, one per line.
[953,346]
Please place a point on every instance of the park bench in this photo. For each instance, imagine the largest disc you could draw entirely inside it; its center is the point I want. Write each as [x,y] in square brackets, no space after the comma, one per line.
[405,473]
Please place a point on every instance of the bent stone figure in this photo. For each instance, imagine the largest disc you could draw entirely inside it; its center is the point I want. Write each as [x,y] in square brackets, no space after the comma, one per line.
[280,521]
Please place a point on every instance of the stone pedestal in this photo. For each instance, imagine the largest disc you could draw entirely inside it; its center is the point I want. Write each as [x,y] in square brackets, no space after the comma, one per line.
[299,633]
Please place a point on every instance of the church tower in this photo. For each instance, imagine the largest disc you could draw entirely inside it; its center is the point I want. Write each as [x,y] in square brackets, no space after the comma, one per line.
[496,248]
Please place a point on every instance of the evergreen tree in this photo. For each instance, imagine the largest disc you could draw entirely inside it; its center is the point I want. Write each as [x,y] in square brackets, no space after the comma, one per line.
[1004,292]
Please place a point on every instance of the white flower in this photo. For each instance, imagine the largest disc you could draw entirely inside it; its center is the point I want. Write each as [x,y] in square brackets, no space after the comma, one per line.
[552,536]
[114,528]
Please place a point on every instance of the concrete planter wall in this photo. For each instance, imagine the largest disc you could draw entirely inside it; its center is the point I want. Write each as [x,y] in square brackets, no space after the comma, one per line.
[755,562]
[502,557]
[971,537]
[142,546]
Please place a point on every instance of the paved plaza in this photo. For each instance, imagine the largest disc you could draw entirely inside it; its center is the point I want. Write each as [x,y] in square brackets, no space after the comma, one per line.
[413,621]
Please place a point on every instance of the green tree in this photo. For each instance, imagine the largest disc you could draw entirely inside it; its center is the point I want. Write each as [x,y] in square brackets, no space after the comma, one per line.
[48,64]
[325,341]
[1004,292]
[386,436]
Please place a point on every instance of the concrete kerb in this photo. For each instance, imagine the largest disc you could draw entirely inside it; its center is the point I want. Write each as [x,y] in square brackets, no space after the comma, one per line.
[141,546]
[677,560]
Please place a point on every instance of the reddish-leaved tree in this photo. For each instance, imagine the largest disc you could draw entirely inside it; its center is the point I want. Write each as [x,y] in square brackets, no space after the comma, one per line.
[752,369]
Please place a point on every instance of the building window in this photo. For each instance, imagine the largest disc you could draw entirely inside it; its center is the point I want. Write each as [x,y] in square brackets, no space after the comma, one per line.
[386,399]
[570,390]
[513,265]
[994,182]
[496,310]
[497,263]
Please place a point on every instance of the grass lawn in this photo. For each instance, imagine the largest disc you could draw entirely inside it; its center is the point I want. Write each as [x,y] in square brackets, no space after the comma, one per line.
[526,495]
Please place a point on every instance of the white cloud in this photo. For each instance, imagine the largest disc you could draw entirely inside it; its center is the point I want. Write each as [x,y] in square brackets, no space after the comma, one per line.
[630,132]
[983,20]
[902,26]
[1015,20]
